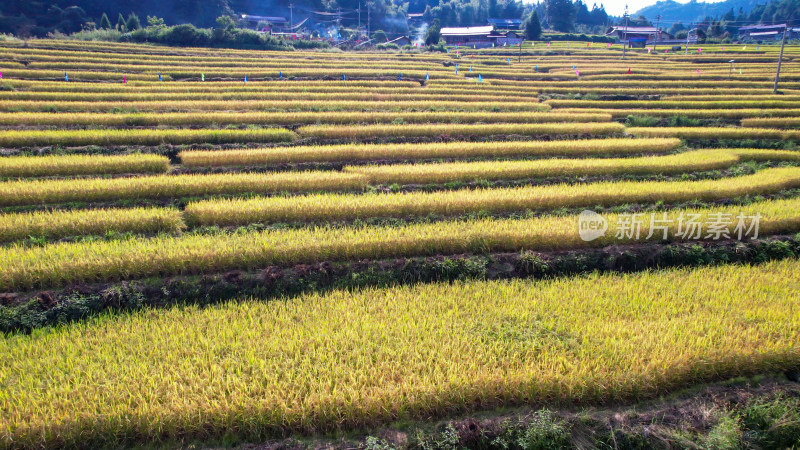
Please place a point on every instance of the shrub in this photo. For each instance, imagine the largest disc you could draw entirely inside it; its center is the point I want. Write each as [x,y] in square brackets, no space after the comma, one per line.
[642,121]
[186,35]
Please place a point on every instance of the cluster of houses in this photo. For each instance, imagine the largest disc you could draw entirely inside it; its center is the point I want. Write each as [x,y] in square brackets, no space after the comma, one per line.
[642,36]
[768,32]
[498,33]
[483,36]
[506,32]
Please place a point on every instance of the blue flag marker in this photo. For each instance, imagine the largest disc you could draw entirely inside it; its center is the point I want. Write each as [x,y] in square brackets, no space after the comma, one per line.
[470,68]
[509,60]
[456,68]
[280,75]
[480,79]
[399,77]
[427,76]
[343,77]
[245,78]
[536,68]
[66,77]
[573,67]
[159,77]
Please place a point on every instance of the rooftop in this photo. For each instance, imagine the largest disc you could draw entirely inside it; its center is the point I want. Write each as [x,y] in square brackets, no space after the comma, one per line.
[273,19]
[762,27]
[467,31]
[633,29]
[504,21]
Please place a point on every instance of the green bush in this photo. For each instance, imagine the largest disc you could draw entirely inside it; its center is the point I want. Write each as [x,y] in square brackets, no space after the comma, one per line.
[642,121]
[774,423]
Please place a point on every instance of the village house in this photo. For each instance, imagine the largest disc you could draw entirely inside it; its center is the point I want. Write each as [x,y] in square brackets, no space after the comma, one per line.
[638,36]
[479,37]
[276,24]
[505,24]
[767,32]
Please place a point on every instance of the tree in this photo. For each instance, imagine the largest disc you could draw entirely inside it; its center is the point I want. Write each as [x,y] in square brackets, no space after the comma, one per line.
[379,36]
[560,14]
[675,28]
[532,27]
[72,19]
[582,13]
[155,22]
[598,15]
[729,16]
[120,23]
[104,22]
[226,23]
[132,23]
[640,21]
[434,33]
[493,9]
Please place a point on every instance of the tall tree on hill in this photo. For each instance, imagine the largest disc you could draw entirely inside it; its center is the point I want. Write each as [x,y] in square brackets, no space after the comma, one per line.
[532,26]
[493,9]
[434,33]
[599,17]
[582,14]
[560,14]
[133,22]
[120,23]
[105,24]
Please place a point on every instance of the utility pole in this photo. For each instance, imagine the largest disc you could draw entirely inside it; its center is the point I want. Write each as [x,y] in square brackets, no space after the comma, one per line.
[625,44]
[780,59]
[291,15]
[368,31]
[658,33]
[688,32]
[522,41]
[730,72]
[359,18]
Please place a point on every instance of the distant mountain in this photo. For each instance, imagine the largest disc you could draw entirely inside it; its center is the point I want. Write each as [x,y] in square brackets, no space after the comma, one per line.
[694,11]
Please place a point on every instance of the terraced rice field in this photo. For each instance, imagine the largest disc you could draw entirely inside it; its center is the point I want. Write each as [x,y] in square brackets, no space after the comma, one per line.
[346,240]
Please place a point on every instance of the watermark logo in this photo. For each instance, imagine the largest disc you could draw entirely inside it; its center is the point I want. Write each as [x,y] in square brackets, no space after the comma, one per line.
[591,225]
[689,226]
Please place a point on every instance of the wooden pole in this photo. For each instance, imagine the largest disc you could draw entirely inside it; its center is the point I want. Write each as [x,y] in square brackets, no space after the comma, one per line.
[625,44]
[780,59]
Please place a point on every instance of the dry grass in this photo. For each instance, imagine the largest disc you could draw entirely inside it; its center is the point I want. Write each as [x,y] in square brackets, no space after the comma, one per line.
[66,263]
[254,370]
[687,162]
[713,133]
[370,152]
[427,130]
[322,207]
[37,192]
[41,166]
[30,138]
[288,118]
[59,224]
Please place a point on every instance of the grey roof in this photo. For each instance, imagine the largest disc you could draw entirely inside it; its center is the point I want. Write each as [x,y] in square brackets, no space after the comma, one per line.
[467,31]
[264,18]
[504,21]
